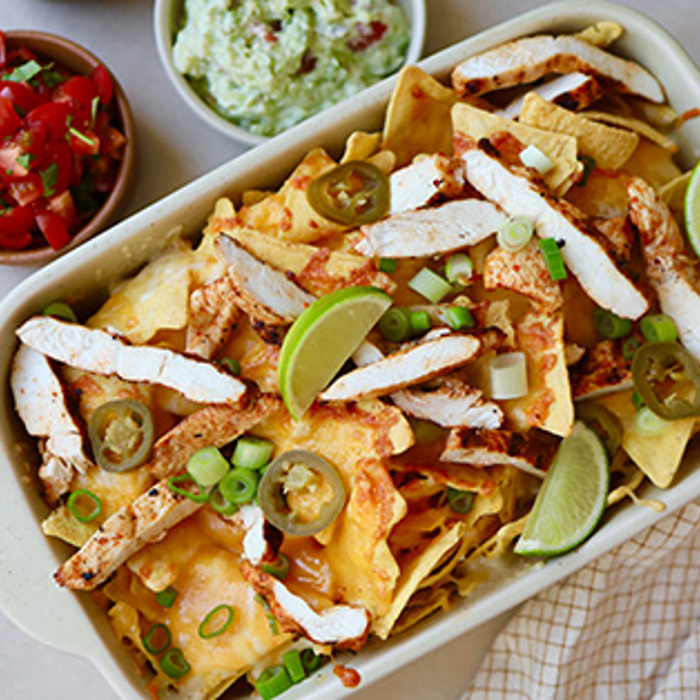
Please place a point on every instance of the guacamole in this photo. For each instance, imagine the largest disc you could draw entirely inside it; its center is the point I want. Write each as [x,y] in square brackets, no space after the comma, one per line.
[266,65]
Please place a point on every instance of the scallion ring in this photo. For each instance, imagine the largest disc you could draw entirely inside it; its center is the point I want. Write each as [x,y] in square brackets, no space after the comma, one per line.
[515,233]
[273,681]
[294,665]
[216,622]
[201,495]
[395,324]
[387,265]
[81,496]
[609,325]
[167,597]
[630,347]
[533,157]
[279,568]
[174,664]
[220,504]
[647,422]
[239,485]
[460,501]
[458,318]
[553,259]
[459,269]
[311,660]
[658,328]
[508,374]
[60,310]
[430,285]
[157,639]
[207,466]
[420,322]
[252,452]
[232,365]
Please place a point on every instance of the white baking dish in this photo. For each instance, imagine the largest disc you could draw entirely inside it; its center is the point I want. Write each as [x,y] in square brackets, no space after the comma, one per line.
[28,594]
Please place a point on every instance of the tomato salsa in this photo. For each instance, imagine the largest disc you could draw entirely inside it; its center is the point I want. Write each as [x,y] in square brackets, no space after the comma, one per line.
[59,148]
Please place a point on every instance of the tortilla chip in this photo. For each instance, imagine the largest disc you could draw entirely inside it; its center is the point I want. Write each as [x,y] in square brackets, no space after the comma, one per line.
[653,164]
[61,523]
[287,213]
[361,145]
[561,149]
[548,404]
[658,455]
[419,106]
[673,193]
[637,125]
[601,34]
[156,299]
[609,146]
[412,576]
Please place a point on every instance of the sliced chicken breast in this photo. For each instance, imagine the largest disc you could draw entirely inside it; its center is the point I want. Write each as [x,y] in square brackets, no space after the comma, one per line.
[670,271]
[584,249]
[413,364]
[264,293]
[422,232]
[530,58]
[97,351]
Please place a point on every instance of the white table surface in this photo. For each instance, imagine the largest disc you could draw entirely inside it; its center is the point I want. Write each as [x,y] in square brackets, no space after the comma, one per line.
[174,147]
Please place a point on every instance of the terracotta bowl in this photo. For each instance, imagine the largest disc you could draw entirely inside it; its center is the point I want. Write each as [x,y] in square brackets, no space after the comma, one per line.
[79,60]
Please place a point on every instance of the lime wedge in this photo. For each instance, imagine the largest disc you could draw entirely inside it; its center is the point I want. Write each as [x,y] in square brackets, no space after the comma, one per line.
[572,497]
[691,209]
[320,341]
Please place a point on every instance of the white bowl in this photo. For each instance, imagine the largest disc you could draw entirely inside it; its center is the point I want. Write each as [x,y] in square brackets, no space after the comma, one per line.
[74,622]
[165,17]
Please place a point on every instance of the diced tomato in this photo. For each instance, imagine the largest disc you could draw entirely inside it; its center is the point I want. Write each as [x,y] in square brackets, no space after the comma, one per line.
[3,50]
[10,121]
[63,205]
[57,166]
[52,228]
[22,95]
[78,92]
[27,189]
[111,142]
[103,170]
[16,227]
[21,152]
[84,143]
[367,34]
[53,117]
[103,84]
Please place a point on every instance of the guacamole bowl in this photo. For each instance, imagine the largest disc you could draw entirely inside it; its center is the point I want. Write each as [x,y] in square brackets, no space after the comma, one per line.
[251,76]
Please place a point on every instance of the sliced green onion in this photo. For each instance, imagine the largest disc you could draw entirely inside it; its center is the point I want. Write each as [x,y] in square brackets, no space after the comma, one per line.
[460,501]
[588,167]
[610,325]
[239,485]
[293,663]
[217,621]
[395,324]
[174,664]
[630,347]
[271,621]
[201,495]
[24,72]
[273,681]
[637,400]
[252,452]
[553,258]
[207,466]
[77,505]
[458,318]
[311,660]
[387,265]
[59,309]
[420,322]
[646,421]
[508,374]
[430,285]
[231,365]
[533,157]
[515,233]
[459,269]
[279,568]
[157,639]
[220,504]
[167,597]
[659,328]
[81,136]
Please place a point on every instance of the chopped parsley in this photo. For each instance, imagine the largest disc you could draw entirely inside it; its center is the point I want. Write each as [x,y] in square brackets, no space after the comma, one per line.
[25,72]
[49,177]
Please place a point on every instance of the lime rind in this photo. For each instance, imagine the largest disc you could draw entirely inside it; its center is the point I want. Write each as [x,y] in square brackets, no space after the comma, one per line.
[572,498]
[325,335]
[691,209]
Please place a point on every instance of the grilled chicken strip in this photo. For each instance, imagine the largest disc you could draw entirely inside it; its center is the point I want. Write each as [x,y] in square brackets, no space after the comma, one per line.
[603,369]
[583,248]
[422,232]
[573,91]
[669,269]
[344,626]
[130,529]
[410,365]
[531,452]
[426,180]
[214,426]
[97,351]
[528,59]
[264,293]
[450,403]
[42,405]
